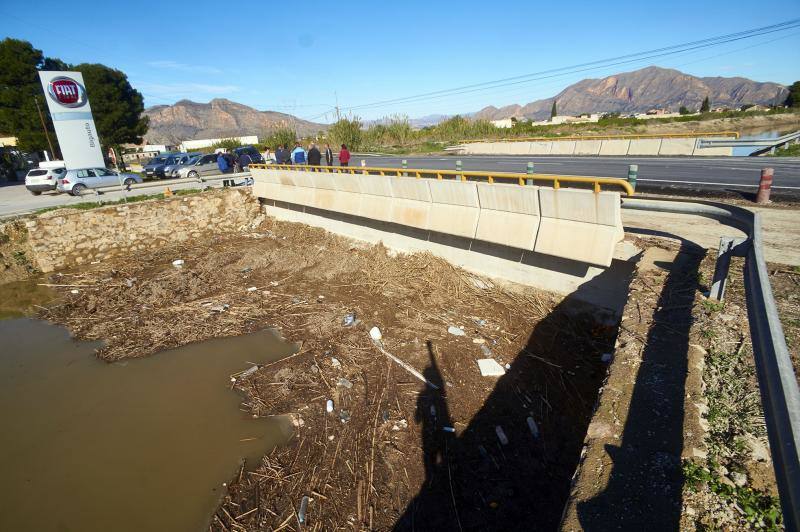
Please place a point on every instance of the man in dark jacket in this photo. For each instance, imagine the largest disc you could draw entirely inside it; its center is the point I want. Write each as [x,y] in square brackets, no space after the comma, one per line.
[314,156]
[328,155]
[244,161]
[281,154]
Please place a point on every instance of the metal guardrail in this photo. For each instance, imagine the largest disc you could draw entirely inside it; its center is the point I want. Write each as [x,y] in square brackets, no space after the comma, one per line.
[689,134]
[767,143]
[780,396]
[462,175]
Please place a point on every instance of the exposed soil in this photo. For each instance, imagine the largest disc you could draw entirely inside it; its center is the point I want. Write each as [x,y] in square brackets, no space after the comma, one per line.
[395,452]
[15,253]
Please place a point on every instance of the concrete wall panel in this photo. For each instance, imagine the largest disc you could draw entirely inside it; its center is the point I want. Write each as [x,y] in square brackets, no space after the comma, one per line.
[451,192]
[507,228]
[587,147]
[563,147]
[267,176]
[540,148]
[375,185]
[323,180]
[644,147]
[453,219]
[411,213]
[410,188]
[585,242]
[580,205]
[509,198]
[375,207]
[614,147]
[347,182]
[724,152]
[677,147]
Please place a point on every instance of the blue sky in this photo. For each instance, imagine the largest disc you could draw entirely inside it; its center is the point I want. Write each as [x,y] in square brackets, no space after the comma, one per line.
[300,58]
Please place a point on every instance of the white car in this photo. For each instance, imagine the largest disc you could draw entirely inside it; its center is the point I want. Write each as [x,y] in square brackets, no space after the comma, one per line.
[76,181]
[41,180]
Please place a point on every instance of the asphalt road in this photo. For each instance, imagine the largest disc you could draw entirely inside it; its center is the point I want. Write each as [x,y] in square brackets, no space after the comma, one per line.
[713,174]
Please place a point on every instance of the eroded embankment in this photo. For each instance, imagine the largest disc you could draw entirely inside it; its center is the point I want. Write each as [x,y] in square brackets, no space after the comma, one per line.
[386,456]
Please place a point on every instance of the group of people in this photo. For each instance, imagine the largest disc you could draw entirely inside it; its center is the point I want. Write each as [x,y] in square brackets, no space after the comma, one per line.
[230,162]
[312,157]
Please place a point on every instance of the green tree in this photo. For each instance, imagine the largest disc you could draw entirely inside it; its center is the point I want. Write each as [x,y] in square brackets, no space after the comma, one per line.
[683,110]
[793,98]
[279,137]
[347,131]
[553,110]
[116,106]
[19,89]
[706,105]
[226,144]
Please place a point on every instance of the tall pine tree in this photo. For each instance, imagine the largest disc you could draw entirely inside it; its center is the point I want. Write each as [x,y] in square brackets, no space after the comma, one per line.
[553,111]
[706,105]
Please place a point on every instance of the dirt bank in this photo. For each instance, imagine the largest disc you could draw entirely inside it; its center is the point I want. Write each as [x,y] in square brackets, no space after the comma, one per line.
[395,451]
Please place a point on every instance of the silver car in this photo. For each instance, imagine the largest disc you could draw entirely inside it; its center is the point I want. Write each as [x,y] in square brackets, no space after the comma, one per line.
[177,161]
[78,180]
[205,165]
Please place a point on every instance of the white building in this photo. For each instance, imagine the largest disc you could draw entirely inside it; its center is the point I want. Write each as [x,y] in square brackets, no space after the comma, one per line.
[505,123]
[189,145]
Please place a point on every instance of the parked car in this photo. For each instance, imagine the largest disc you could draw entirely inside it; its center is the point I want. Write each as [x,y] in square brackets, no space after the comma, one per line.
[149,168]
[173,162]
[77,181]
[255,156]
[205,165]
[175,171]
[40,180]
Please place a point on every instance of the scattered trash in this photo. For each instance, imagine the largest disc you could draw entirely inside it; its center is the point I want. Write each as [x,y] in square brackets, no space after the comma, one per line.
[330,438]
[95,262]
[479,322]
[478,341]
[301,514]
[490,368]
[320,298]
[508,366]
[219,308]
[248,371]
[485,350]
[329,406]
[344,415]
[375,334]
[130,282]
[606,357]
[177,263]
[344,382]
[246,270]
[449,429]
[349,319]
[400,425]
[74,291]
[455,331]
[433,410]
[273,283]
[501,435]
[252,289]
[335,363]
[534,428]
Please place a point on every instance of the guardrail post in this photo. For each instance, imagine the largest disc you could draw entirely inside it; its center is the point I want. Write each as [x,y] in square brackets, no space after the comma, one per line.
[363,165]
[405,167]
[727,249]
[529,182]
[633,172]
[458,169]
[764,185]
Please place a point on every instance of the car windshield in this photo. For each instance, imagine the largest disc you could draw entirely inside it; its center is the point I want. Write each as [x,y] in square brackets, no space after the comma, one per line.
[193,159]
[155,160]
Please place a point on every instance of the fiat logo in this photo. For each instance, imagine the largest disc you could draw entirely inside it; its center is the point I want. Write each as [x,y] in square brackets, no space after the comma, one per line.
[67,92]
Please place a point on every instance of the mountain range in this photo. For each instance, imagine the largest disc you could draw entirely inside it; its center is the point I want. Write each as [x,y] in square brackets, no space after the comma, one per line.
[219,118]
[628,92]
[642,90]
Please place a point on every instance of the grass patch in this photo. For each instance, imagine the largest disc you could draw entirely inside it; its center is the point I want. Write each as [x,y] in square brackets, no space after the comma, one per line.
[713,306]
[791,151]
[758,509]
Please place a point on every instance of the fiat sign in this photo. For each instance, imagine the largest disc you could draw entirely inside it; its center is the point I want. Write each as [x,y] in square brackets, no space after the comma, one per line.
[67,92]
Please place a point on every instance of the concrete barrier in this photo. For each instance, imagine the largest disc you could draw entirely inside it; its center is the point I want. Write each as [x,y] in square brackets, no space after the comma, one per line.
[579,225]
[587,147]
[644,147]
[614,147]
[509,215]
[411,203]
[539,148]
[376,200]
[562,147]
[455,207]
[677,146]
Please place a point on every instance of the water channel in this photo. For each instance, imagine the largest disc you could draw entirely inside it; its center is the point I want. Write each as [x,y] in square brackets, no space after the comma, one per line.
[138,445]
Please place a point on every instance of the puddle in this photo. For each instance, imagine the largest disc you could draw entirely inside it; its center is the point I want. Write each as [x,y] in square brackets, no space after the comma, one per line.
[139,445]
[19,298]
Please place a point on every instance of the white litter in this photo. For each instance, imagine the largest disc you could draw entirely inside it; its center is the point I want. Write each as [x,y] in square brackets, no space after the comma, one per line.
[449,429]
[478,341]
[335,363]
[329,406]
[74,291]
[375,334]
[177,263]
[252,289]
[455,331]
[490,368]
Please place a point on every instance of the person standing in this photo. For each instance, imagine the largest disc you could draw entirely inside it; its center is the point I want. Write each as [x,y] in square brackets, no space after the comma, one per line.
[328,155]
[244,161]
[222,164]
[344,156]
[268,156]
[298,154]
[314,156]
[281,155]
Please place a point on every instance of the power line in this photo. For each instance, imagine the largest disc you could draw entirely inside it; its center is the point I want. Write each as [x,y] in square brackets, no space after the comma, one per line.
[592,65]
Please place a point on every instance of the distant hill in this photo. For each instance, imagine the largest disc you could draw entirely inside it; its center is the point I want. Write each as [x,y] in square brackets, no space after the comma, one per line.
[219,118]
[642,90]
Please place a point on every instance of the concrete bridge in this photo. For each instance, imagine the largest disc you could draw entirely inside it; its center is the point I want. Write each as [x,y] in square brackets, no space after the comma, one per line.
[764,145]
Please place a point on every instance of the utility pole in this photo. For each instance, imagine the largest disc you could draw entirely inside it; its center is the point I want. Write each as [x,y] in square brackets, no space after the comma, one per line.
[336,96]
[44,127]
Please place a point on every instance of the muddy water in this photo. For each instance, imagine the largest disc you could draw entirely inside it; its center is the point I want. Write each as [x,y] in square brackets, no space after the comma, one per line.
[20,298]
[138,445]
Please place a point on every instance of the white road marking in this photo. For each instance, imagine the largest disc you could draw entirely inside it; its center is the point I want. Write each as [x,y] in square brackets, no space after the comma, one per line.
[715,184]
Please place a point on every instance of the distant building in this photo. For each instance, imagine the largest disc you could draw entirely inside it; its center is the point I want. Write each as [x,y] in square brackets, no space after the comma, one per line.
[748,109]
[505,123]
[132,152]
[189,145]
[8,141]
